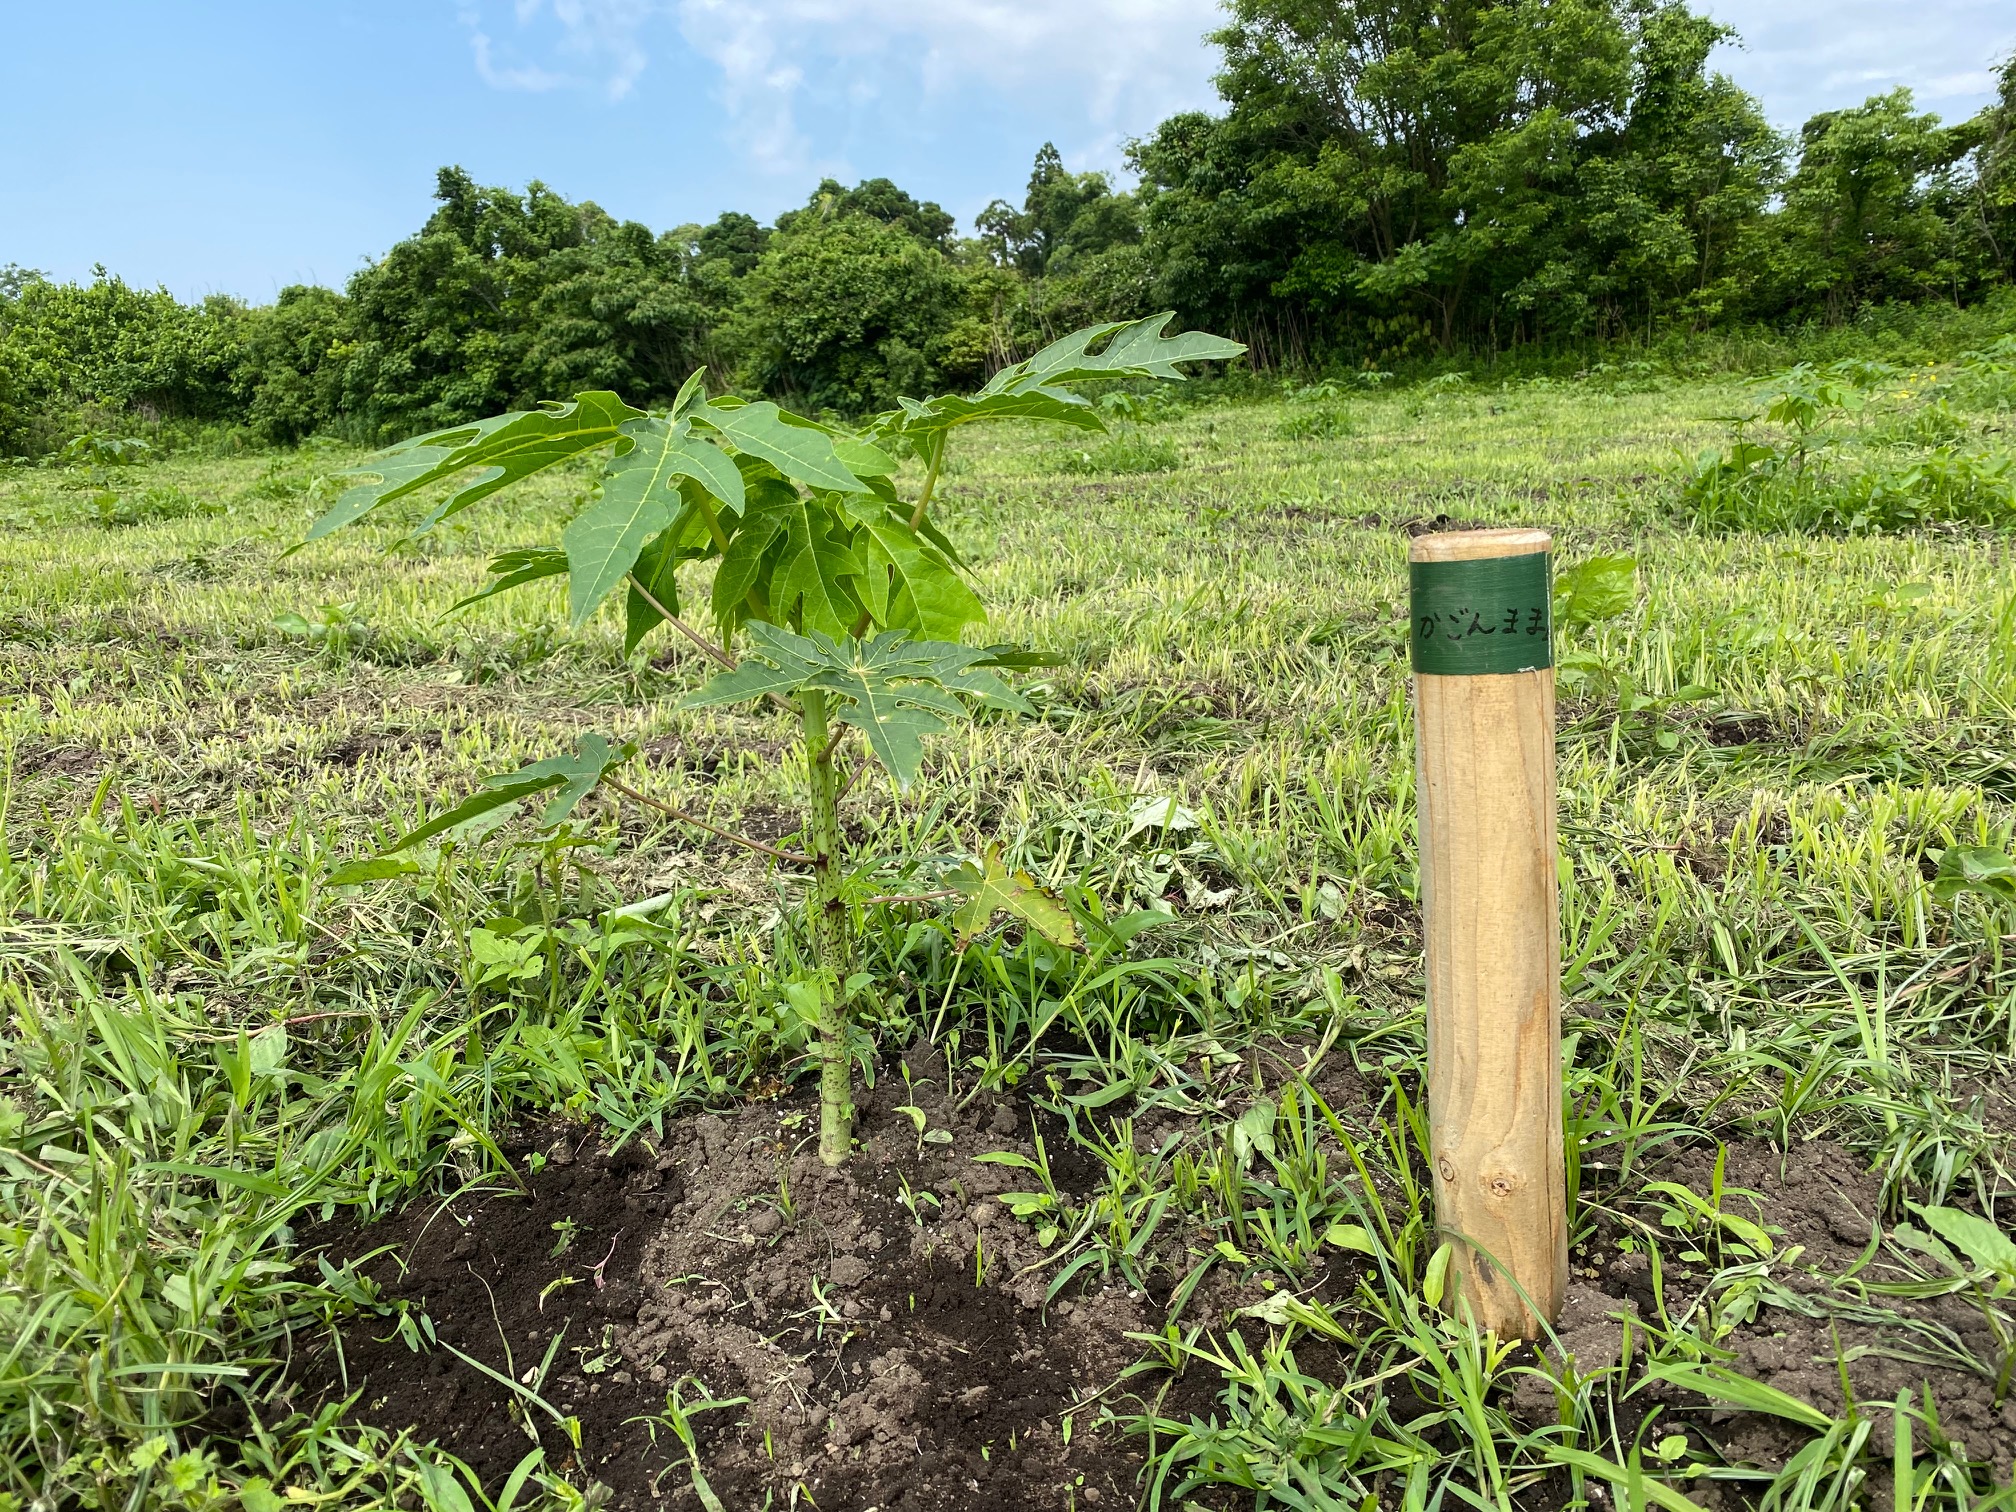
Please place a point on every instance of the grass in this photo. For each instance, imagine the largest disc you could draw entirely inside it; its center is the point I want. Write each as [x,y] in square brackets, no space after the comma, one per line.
[206,1043]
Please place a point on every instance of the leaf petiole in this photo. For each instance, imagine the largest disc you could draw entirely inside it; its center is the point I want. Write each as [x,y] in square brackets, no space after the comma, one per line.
[930,485]
[792,857]
[681,626]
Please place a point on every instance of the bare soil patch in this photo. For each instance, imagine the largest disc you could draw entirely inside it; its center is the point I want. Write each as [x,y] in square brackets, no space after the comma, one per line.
[1815,1329]
[886,1323]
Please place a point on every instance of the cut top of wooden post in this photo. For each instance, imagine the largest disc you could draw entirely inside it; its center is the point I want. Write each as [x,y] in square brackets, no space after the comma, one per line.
[1477,545]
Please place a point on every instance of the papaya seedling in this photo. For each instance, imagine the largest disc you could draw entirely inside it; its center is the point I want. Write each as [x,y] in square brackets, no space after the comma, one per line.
[847,601]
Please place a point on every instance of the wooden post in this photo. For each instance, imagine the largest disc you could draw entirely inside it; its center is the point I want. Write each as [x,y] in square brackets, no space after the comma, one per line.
[1484,728]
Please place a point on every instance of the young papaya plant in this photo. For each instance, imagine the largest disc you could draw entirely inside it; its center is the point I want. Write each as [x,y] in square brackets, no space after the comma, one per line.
[846,600]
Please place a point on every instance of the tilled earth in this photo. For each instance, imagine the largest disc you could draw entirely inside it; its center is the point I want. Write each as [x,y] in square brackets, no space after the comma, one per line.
[885,1324]
[881,1337]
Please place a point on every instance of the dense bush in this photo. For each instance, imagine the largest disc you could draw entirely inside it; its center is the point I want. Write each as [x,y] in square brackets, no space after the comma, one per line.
[1861,445]
[841,312]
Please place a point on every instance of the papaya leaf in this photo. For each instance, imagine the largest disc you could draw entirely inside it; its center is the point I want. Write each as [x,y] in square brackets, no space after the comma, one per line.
[1020,659]
[637,503]
[908,583]
[1037,388]
[924,423]
[711,467]
[992,888]
[894,690]
[574,777]
[507,447]
[692,392]
[812,580]
[742,566]
[1127,349]
[797,448]
[656,573]
[514,569]
[862,458]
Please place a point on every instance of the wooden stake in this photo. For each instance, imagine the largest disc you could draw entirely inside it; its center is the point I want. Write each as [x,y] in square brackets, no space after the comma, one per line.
[1484,727]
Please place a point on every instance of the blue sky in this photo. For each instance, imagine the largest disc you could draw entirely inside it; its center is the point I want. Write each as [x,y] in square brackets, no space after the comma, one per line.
[241,145]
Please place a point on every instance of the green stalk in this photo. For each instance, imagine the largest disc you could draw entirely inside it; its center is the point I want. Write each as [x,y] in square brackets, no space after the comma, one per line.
[930,485]
[831,946]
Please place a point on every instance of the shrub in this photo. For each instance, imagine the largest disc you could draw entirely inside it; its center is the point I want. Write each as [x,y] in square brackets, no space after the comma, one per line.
[1123,454]
[1833,469]
[111,508]
[1323,424]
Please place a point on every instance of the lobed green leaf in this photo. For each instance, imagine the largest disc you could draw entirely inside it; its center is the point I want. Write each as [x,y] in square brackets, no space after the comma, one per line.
[993,887]
[893,689]
[574,777]
[796,447]
[1126,349]
[514,569]
[506,447]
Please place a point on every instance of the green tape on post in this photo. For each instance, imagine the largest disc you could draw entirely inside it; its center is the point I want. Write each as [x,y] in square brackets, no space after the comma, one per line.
[1489,615]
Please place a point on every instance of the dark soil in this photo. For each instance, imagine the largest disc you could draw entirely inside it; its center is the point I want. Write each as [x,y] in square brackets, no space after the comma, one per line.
[1819,1202]
[730,1263]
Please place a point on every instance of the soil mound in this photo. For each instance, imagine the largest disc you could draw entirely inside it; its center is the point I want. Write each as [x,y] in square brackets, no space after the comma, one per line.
[885,1324]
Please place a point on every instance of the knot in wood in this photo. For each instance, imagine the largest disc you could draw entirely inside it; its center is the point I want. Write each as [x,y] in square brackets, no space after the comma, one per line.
[1500,1183]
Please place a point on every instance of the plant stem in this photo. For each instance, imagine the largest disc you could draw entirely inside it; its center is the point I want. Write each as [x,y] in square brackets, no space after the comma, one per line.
[790,857]
[714,651]
[831,946]
[930,483]
[713,524]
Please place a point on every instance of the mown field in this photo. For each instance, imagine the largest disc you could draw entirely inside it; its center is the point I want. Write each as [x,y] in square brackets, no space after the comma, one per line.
[562,1081]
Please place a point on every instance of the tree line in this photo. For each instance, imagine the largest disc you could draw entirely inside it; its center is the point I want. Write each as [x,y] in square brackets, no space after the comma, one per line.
[1388,181]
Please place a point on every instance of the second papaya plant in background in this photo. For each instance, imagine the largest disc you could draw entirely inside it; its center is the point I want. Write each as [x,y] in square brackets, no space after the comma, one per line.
[847,600]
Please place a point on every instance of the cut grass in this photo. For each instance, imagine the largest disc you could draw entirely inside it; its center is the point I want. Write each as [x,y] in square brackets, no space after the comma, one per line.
[206,1042]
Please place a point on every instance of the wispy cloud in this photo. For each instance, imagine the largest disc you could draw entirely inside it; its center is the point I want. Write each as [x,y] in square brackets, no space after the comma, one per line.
[787,72]
[1805,56]
[1107,69]
[601,41]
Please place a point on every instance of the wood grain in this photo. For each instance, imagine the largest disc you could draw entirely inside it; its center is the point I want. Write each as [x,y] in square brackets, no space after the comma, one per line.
[1491,919]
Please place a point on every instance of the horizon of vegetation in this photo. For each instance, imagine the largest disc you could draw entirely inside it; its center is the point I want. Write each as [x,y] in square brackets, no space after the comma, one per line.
[1509,180]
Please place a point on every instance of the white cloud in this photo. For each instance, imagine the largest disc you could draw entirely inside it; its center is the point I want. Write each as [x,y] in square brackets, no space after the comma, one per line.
[602,39]
[794,76]
[1805,56]
[1104,69]
[1115,67]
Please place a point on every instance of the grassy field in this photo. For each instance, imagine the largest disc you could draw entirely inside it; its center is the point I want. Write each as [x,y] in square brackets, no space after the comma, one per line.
[1789,1097]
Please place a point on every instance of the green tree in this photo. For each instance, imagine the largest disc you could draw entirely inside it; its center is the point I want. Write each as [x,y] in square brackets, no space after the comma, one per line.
[505,298]
[841,311]
[1870,212]
[616,311]
[1990,139]
[1074,248]
[1393,174]
[1065,218]
[442,328]
[879,200]
[735,241]
[295,351]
